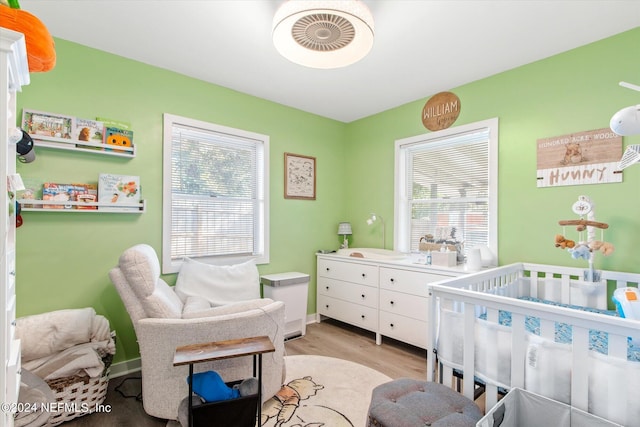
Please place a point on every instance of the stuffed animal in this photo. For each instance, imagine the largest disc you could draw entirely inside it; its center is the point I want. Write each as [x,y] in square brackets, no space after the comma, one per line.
[607,249]
[563,243]
[604,247]
[41,52]
[580,251]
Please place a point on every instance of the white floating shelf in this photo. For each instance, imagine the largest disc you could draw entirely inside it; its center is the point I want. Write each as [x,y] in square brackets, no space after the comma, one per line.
[83,146]
[42,206]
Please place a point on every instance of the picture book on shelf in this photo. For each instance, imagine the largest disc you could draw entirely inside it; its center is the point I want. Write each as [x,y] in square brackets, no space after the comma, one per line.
[69,193]
[40,123]
[122,192]
[32,191]
[88,130]
[118,138]
[113,123]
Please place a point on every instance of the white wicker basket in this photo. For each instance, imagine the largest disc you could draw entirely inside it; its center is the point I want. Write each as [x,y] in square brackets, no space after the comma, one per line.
[77,396]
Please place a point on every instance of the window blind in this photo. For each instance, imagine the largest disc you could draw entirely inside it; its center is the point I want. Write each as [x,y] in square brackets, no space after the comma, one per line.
[216,190]
[448,187]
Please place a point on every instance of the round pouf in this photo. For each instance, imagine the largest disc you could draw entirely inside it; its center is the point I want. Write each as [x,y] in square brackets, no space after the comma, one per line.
[407,402]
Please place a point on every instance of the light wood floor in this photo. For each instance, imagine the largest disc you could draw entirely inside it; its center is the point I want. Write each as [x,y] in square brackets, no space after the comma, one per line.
[329,338]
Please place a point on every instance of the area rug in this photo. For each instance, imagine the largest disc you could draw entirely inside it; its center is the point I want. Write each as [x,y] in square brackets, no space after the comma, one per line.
[320,391]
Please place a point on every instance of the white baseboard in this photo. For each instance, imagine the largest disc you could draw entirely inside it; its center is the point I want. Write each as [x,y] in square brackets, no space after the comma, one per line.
[312,318]
[123,368]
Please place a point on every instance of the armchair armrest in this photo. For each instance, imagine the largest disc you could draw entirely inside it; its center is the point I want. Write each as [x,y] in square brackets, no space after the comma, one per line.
[158,339]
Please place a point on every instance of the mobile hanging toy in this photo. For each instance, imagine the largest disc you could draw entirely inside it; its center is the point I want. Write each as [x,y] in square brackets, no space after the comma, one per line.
[586,243]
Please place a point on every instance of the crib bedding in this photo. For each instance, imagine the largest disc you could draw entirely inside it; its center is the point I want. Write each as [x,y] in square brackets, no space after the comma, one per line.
[598,340]
[580,362]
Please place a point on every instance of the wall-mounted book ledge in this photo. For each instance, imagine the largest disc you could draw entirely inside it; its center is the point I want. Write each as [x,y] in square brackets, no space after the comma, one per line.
[83,146]
[30,205]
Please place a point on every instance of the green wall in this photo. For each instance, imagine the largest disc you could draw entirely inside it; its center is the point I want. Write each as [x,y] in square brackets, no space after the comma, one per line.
[571,92]
[64,258]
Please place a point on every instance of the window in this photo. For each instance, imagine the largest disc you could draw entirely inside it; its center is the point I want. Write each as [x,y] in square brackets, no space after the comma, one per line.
[447,180]
[215,194]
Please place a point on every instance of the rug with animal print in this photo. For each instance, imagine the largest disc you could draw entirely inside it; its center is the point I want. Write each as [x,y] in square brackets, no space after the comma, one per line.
[322,392]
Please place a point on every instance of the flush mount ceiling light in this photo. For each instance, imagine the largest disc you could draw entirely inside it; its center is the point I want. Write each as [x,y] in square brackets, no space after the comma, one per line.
[323,34]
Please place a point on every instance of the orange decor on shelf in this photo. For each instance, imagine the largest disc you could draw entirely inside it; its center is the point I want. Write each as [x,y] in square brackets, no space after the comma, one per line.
[41,52]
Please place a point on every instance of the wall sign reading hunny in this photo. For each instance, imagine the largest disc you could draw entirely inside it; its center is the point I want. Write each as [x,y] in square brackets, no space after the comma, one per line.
[440,111]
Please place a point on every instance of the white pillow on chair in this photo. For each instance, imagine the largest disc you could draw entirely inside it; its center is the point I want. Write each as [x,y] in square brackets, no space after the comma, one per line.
[220,285]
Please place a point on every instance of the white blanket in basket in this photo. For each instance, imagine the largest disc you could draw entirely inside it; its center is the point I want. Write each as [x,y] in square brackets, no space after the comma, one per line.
[65,343]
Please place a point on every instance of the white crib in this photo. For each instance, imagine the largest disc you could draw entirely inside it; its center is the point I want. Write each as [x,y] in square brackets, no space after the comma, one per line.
[481,325]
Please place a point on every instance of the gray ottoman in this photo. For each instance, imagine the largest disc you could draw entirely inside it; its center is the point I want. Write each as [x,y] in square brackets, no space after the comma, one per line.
[407,402]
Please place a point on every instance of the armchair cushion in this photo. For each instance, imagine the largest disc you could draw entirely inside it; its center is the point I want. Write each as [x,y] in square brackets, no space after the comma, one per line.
[218,284]
[194,304]
[141,267]
[236,307]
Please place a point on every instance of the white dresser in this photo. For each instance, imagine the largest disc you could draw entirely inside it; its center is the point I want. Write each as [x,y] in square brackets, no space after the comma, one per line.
[386,297]
[14,74]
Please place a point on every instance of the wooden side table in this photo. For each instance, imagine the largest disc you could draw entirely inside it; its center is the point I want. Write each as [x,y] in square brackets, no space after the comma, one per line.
[205,352]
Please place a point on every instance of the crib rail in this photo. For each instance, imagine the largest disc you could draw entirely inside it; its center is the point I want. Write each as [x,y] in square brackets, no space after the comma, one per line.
[475,293]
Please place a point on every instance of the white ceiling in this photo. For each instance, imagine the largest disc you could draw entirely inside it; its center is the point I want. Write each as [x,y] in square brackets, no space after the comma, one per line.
[422,47]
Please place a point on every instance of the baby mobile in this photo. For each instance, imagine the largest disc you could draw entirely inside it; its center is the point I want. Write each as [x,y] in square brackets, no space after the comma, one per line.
[586,244]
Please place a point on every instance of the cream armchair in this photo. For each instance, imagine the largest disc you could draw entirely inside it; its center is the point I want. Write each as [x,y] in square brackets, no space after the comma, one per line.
[162,322]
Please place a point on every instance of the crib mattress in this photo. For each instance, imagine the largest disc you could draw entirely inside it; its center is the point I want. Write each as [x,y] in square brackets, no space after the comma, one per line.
[597,339]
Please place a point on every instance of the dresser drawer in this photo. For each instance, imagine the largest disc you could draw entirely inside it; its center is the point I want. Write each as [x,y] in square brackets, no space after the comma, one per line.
[410,282]
[363,274]
[404,304]
[403,329]
[350,292]
[354,314]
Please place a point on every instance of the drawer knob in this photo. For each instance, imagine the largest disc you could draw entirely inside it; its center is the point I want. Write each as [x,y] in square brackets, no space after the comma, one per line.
[362,316]
[327,305]
[391,302]
[362,296]
[326,287]
[392,280]
[391,325]
[364,275]
[328,269]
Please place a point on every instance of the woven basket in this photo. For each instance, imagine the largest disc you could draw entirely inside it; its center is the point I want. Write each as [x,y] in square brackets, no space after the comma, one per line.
[78,396]
[435,247]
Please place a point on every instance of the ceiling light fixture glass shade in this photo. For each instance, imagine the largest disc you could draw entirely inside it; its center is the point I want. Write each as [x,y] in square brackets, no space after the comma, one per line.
[323,34]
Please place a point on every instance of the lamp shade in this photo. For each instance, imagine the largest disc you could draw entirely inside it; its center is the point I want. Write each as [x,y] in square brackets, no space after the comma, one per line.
[626,121]
[323,34]
[344,228]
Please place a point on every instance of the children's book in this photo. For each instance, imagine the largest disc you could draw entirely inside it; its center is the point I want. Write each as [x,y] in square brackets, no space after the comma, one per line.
[118,138]
[90,195]
[88,130]
[122,192]
[68,193]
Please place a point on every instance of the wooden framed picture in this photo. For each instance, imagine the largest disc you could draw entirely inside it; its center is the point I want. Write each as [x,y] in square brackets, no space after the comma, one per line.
[299,177]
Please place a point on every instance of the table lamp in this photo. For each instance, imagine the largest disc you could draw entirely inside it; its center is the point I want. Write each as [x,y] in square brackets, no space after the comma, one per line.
[344,229]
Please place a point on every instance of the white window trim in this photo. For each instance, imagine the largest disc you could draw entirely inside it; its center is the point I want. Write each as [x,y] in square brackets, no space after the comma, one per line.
[401,213]
[173,266]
